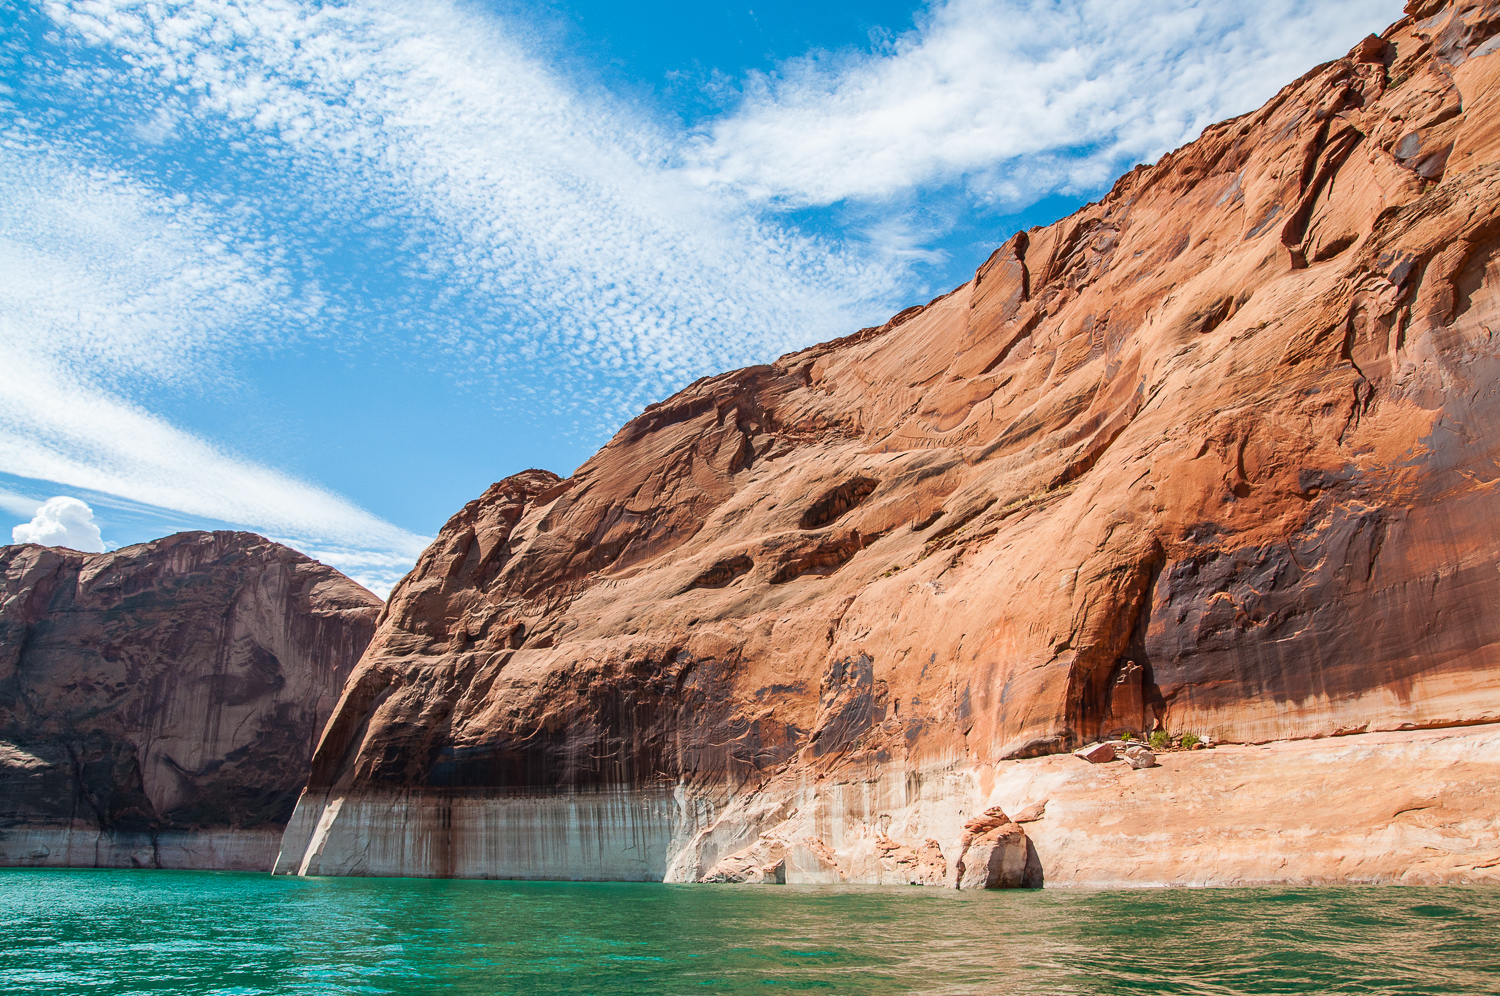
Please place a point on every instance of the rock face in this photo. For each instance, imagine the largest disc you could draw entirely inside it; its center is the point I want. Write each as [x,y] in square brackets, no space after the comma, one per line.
[159,705]
[1215,454]
[1402,807]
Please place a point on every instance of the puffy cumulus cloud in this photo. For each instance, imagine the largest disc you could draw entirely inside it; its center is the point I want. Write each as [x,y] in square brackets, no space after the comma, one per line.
[1019,98]
[62,521]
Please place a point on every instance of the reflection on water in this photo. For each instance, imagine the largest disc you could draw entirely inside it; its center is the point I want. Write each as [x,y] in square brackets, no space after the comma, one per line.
[186,932]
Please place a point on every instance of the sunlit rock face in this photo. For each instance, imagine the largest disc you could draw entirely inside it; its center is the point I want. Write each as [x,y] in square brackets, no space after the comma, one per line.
[1307,812]
[159,705]
[1217,453]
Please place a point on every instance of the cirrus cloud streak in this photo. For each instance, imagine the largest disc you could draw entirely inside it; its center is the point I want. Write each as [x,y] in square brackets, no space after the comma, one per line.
[1018,98]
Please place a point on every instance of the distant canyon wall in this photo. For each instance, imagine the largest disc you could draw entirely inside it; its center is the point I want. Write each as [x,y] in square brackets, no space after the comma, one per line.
[1217,453]
[159,705]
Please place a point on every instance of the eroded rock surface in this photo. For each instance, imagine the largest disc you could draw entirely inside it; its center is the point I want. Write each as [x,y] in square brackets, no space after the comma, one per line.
[1415,807]
[159,705]
[1217,453]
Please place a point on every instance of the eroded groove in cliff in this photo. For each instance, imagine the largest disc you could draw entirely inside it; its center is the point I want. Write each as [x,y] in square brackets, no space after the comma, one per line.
[723,573]
[822,560]
[833,504]
[1114,650]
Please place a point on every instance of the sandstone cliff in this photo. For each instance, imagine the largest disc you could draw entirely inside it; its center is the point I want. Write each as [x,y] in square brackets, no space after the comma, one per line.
[1217,453]
[1411,807]
[159,705]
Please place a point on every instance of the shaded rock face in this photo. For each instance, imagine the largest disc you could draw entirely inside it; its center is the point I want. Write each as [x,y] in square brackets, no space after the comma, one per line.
[1216,453]
[159,705]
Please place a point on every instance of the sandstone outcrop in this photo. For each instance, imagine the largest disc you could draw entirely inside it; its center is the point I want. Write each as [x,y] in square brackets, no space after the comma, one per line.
[1217,453]
[159,705]
[1414,807]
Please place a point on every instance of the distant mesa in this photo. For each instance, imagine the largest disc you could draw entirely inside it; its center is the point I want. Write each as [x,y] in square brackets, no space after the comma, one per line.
[159,704]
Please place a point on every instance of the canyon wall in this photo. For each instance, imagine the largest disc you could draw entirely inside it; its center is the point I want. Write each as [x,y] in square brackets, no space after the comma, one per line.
[159,705]
[1217,453]
[1415,806]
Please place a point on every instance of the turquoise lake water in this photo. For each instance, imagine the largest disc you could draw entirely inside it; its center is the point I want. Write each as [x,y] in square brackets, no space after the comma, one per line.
[117,932]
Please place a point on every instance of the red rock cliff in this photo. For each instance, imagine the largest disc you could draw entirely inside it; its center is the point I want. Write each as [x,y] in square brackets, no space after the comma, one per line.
[159,704]
[1217,453]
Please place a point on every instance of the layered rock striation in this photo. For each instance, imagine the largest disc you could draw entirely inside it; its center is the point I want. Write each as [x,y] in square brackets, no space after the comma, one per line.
[1217,453]
[159,705]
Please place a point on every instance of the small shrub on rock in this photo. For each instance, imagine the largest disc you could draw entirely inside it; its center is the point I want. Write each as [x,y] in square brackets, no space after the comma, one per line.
[1159,740]
[1189,741]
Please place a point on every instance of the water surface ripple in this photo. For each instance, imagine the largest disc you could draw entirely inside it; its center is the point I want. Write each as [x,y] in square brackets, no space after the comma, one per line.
[127,932]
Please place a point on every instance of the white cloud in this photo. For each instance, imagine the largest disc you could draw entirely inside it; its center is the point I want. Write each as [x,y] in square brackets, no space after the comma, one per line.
[110,280]
[62,521]
[547,222]
[105,286]
[514,220]
[55,428]
[522,225]
[1019,98]
[18,505]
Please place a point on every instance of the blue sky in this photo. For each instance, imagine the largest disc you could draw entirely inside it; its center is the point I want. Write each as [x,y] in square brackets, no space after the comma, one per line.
[325,271]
